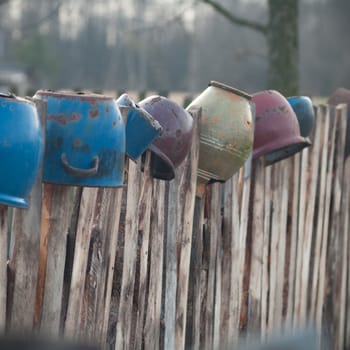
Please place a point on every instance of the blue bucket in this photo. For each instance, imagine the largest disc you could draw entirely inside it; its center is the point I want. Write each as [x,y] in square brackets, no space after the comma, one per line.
[21,149]
[304,110]
[85,140]
[140,127]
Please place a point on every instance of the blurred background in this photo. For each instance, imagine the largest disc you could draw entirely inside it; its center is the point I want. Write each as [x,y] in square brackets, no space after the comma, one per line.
[165,45]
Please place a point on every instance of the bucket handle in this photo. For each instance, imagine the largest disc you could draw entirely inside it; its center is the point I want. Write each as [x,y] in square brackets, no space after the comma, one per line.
[80,172]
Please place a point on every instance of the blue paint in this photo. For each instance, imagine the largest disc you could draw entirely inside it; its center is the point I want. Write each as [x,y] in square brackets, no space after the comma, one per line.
[140,128]
[21,149]
[303,108]
[85,140]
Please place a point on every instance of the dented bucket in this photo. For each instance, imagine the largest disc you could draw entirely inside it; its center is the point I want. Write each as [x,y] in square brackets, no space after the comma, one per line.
[172,146]
[140,127]
[226,132]
[85,140]
[277,133]
[21,149]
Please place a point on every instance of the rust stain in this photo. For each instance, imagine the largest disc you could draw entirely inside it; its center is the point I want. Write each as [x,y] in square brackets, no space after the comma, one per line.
[63,118]
[94,113]
[216,120]
[114,123]
[107,110]
[77,142]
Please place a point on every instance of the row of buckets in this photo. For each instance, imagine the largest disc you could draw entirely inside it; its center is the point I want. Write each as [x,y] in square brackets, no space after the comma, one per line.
[88,136]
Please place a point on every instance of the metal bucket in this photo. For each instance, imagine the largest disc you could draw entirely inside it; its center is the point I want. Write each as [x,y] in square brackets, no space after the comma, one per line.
[85,140]
[277,133]
[140,127]
[226,132]
[172,146]
[21,149]
[304,110]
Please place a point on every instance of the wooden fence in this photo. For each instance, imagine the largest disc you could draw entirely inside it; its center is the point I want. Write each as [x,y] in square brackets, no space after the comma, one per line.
[151,266]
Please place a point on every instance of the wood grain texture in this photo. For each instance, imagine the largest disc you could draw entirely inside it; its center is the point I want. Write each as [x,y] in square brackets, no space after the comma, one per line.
[124,321]
[55,220]
[187,190]
[145,206]
[153,311]
[3,265]
[82,243]
[25,259]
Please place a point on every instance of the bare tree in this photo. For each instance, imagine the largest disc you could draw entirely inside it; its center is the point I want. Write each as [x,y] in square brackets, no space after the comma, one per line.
[281,33]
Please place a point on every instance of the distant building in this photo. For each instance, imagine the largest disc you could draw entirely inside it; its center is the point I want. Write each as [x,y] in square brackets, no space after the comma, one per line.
[14,79]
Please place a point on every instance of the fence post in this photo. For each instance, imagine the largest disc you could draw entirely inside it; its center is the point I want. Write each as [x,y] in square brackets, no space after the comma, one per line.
[3,265]
[187,190]
[24,262]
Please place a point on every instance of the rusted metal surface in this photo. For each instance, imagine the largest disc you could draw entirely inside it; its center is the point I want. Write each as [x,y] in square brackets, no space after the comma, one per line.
[226,136]
[341,96]
[85,140]
[140,127]
[21,149]
[172,146]
[277,133]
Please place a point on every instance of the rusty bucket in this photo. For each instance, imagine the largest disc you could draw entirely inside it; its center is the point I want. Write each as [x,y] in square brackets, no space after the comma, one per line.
[85,140]
[170,148]
[226,132]
[277,133]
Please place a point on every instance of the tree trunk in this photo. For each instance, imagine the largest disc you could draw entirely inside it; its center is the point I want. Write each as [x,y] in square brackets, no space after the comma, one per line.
[282,36]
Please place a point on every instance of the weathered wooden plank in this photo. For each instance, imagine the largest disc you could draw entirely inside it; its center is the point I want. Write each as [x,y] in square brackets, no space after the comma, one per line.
[75,199]
[145,206]
[327,237]
[243,252]
[321,214]
[257,237]
[275,304]
[232,212]
[331,293]
[281,270]
[82,243]
[308,178]
[24,262]
[55,220]
[187,190]
[3,265]
[113,229]
[345,227]
[293,232]
[196,288]
[171,266]
[124,321]
[152,322]
[265,287]
[216,229]
[300,227]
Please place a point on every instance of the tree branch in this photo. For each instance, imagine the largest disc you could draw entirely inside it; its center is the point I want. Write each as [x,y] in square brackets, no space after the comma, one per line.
[235,19]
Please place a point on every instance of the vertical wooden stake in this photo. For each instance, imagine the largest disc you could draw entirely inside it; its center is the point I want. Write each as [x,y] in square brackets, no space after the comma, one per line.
[82,243]
[24,262]
[187,190]
[171,267]
[3,266]
[145,206]
[124,321]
